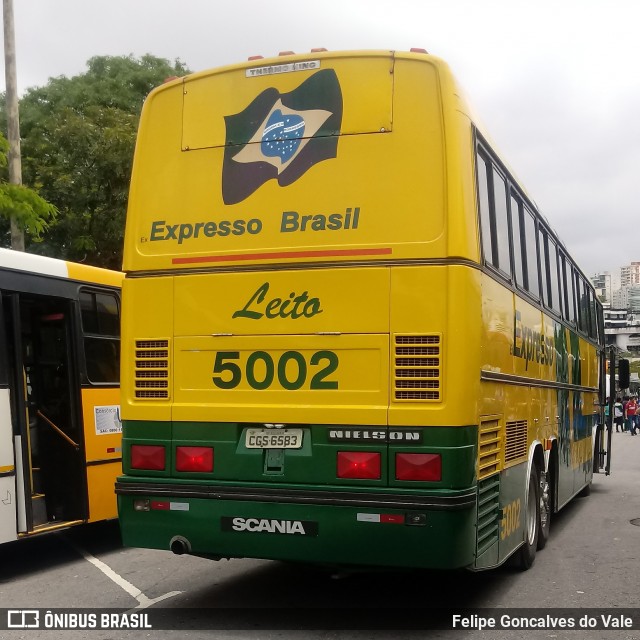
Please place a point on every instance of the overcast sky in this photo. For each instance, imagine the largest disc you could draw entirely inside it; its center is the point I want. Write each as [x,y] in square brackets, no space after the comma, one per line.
[556,83]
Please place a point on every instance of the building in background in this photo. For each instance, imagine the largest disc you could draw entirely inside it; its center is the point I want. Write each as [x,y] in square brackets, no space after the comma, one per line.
[622,329]
[612,288]
[602,284]
[620,298]
[630,274]
[619,293]
[633,299]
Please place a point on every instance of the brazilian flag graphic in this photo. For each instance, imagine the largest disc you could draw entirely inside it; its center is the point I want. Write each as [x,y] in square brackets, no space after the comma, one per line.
[281,135]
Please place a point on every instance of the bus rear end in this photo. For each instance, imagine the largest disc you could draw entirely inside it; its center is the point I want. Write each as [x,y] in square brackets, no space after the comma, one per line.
[292,311]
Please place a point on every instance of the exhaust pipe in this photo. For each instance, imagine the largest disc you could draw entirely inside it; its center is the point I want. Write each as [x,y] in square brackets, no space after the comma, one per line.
[180,545]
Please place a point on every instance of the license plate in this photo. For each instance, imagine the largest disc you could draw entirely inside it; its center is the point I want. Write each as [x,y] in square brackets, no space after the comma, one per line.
[273,439]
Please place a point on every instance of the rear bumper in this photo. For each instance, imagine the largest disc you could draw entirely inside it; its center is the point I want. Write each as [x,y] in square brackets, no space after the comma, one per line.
[460,500]
[337,527]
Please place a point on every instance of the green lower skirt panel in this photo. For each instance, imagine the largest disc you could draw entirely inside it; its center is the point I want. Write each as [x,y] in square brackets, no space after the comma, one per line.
[312,533]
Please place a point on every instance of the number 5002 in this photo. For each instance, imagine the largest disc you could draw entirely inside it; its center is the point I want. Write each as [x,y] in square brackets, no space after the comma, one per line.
[260,370]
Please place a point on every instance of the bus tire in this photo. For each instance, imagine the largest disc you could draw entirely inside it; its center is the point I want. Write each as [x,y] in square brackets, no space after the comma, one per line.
[545,491]
[527,552]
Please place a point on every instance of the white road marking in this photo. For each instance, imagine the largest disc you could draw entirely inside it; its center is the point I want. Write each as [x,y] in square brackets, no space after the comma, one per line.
[133,591]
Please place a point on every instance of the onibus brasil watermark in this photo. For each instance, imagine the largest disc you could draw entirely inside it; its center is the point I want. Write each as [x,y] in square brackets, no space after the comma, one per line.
[47,619]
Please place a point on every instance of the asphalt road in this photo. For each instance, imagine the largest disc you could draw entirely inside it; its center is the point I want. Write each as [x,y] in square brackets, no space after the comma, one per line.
[591,561]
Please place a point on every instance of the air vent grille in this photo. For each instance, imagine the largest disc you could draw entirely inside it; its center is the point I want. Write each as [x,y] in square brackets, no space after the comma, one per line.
[488,513]
[151,370]
[516,441]
[417,361]
[489,448]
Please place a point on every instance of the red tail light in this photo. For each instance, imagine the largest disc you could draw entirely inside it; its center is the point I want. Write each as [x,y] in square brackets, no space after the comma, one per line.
[147,456]
[194,459]
[364,465]
[419,466]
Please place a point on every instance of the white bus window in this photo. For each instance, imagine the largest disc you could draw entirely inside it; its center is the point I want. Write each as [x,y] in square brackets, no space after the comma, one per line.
[485,213]
[532,254]
[553,276]
[501,222]
[516,240]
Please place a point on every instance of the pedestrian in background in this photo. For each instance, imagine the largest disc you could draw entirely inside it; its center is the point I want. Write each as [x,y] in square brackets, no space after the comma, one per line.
[631,414]
[618,414]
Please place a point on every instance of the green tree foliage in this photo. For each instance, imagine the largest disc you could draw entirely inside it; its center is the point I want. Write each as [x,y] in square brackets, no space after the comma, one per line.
[31,211]
[78,139]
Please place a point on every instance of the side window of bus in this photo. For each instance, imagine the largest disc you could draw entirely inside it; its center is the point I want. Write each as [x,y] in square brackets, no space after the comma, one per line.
[531,253]
[562,287]
[586,305]
[516,241]
[571,294]
[100,313]
[583,305]
[564,294]
[494,224]
[599,319]
[502,222]
[553,276]
[544,279]
[579,313]
[483,205]
[593,322]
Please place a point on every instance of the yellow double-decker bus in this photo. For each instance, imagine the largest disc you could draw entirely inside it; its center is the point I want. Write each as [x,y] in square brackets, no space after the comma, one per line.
[60,429]
[349,337]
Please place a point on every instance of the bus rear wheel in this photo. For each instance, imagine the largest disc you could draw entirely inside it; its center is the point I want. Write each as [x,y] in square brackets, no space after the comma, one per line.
[527,553]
